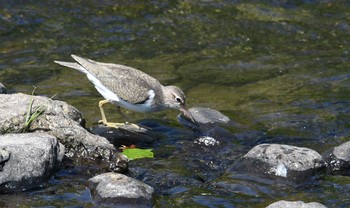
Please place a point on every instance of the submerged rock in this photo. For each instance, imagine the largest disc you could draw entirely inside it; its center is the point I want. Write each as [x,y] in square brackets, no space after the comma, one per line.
[60,120]
[295,204]
[26,160]
[275,161]
[338,159]
[2,89]
[120,191]
[162,177]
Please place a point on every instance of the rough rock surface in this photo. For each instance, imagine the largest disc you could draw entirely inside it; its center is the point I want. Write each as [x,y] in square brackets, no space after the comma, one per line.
[60,120]
[120,190]
[26,160]
[2,89]
[295,204]
[281,161]
[338,159]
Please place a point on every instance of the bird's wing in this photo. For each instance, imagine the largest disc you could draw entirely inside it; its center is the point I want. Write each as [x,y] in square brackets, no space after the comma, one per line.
[129,84]
[130,89]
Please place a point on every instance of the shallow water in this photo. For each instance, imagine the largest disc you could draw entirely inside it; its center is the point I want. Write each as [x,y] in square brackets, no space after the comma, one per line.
[279,69]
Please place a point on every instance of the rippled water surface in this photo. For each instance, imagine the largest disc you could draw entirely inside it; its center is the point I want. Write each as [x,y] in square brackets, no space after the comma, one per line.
[279,69]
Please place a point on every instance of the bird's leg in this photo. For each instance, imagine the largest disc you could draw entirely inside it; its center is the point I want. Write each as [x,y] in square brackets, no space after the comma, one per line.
[104,119]
[100,104]
[122,114]
[127,119]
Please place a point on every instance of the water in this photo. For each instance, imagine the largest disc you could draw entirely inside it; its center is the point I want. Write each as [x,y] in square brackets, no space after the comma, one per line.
[280,69]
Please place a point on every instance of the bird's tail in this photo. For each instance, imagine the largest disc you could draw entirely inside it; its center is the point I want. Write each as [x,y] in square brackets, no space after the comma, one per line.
[72,65]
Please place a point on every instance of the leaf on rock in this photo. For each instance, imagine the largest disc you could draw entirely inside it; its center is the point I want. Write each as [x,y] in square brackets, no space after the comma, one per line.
[136,153]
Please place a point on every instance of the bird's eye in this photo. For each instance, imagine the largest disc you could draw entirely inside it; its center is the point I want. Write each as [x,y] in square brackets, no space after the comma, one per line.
[178,99]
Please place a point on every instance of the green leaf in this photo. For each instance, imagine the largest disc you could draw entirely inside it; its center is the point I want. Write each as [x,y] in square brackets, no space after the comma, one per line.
[136,153]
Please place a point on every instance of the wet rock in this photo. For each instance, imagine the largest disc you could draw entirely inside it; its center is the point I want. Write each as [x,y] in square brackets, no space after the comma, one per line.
[60,120]
[206,141]
[126,135]
[200,162]
[338,159]
[2,89]
[208,125]
[120,191]
[207,115]
[204,117]
[295,204]
[27,160]
[277,161]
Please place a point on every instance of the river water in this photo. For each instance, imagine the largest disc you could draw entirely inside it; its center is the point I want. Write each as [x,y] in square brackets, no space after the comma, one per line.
[279,69]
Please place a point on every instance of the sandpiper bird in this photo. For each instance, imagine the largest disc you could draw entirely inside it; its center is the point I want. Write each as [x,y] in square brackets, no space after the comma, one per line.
[128,88]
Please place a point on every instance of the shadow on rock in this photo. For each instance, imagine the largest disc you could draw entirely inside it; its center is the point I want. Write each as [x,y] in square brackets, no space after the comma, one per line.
[126,135]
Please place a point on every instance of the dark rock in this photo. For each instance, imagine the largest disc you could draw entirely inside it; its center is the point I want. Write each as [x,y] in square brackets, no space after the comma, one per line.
[295,204]
[338,159]
[276,161]
[120,191]
[2,89]
[201,162]
[4,156]
[62,121]
[126,135]
[27,160]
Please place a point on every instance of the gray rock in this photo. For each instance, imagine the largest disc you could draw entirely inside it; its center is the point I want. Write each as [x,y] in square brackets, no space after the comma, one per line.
[342,152]
[120,190]
[282,161]
[60,120]
[209,123]
[338,159]
[207,115]
[2,89]
[295,204]
[27,160]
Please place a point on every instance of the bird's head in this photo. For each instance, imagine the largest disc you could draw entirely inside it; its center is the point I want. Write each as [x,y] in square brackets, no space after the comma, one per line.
[175,98]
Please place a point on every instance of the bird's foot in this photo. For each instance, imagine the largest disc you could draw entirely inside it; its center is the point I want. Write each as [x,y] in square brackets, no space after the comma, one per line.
[126,124]
[111,124]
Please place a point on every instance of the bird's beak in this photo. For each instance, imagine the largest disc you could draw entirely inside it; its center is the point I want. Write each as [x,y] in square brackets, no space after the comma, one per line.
[187,114]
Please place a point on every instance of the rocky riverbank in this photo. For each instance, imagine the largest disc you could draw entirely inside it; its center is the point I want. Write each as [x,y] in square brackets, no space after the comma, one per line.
[32,152]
